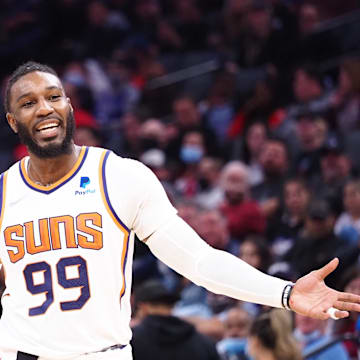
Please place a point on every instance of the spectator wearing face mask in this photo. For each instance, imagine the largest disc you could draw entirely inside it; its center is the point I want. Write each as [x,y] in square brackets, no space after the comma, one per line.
[237,325]
[348,224]
[187,118]
[192,151]
[310,333]
[243,214]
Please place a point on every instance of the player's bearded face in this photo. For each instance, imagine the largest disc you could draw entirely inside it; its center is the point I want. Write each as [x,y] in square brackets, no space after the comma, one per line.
[52,149]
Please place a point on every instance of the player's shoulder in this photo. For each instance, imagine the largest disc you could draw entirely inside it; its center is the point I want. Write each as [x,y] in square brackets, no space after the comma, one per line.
[115,162]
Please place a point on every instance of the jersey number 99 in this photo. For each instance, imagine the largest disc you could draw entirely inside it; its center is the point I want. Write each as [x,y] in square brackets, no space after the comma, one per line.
[46,287]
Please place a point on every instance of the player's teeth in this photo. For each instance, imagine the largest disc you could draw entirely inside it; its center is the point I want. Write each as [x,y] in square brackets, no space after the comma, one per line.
[48,126]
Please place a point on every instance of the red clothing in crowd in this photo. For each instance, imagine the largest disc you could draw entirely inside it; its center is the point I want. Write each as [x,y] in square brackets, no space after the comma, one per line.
[244,218]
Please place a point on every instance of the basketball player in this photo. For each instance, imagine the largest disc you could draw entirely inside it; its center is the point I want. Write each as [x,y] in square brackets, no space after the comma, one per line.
[68,216]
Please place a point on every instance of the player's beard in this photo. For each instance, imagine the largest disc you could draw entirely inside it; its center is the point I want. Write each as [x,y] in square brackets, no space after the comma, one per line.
[51,150]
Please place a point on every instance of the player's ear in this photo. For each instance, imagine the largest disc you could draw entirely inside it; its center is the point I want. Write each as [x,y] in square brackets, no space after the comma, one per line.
[69,102]
[12,122]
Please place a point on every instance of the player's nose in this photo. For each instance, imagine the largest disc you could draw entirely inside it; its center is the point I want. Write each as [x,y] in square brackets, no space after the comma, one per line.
[44,108]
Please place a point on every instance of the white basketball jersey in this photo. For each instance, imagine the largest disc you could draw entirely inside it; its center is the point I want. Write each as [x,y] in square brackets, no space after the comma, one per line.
[67,253]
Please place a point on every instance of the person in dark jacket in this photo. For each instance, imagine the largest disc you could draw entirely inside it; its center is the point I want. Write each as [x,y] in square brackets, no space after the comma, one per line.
[318,243]
[161,336]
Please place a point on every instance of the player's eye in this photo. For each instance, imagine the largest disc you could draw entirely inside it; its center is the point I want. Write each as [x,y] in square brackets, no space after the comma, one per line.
[27,104]
[54,97]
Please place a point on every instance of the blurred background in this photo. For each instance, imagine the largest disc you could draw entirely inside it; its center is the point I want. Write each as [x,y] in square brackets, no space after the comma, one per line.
[248,111]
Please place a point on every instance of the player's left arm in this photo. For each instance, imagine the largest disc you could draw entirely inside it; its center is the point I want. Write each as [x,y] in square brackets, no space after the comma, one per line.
[178,245]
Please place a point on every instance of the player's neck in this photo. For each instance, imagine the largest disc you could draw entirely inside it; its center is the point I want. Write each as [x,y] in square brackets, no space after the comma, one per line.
[47,171]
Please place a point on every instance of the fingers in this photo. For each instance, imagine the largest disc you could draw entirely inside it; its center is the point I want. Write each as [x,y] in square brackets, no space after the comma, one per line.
[348,297]
[327,269]
[324,313]
[338,314]
[347,306]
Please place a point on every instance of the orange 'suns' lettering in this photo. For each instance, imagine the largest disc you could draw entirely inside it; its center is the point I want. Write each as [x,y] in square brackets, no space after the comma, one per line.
[81,224]
[19,244]
[44,237]
[68,222]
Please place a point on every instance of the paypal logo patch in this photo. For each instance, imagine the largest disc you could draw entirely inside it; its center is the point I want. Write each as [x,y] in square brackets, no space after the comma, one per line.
[84,182]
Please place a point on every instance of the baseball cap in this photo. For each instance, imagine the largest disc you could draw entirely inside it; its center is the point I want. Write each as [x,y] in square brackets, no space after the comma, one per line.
[153,291]
[319,210]
[332,145]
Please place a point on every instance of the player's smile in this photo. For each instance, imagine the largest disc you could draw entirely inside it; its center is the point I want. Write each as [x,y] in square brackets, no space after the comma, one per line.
[48,129]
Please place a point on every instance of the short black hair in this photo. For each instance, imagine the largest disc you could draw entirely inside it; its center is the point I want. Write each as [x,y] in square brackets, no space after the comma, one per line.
[21,71]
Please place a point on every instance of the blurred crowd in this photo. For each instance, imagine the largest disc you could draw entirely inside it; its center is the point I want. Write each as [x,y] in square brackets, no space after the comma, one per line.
[248,111]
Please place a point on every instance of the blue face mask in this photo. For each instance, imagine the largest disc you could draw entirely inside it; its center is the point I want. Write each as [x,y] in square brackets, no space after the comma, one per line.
[307,338]
[191,154]
[232,346]
[75,78]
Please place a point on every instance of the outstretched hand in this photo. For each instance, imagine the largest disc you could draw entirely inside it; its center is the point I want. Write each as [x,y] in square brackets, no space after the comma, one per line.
[311,297]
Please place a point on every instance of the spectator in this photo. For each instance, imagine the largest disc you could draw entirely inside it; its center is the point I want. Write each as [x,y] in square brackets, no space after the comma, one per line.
[336,169]
[318,243]
[87,130]
[261,43]
[153,134]
[350,282]
[311,131]
[190,25]
[254,139]
[255,251]
[274,159]
[105,28]
[248,149]
[187,117]
[271,337]
[311,45]
[129,144]
[308,20]
[310,333]
[348,224]
[243,214]
[156,160]
[346,99]
[163,336]
[195,302]
[210,194]
[310,95]
[296,202]
[188,210]
[212,227]
[237,325]
[192,150]
[218,109]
